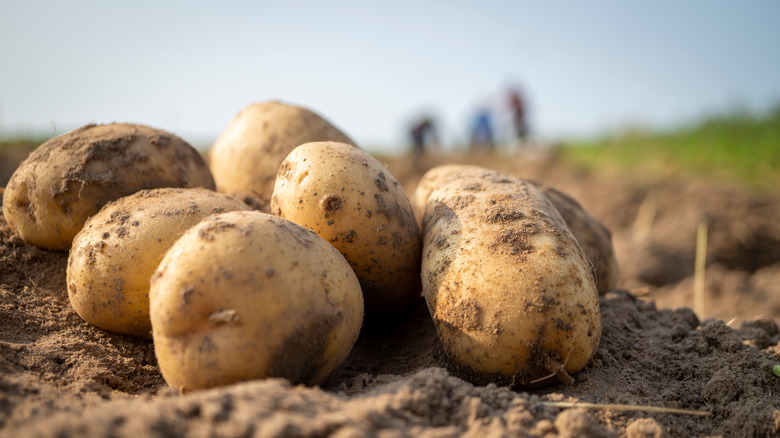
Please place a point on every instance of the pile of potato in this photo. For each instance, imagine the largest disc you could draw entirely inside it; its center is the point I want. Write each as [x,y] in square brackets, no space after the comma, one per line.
[264,262]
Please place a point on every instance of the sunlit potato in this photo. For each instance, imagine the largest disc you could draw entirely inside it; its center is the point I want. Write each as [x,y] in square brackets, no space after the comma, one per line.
[510,291]
[246,157]
[114,256]
[71,177]
[351,200]
[248,295]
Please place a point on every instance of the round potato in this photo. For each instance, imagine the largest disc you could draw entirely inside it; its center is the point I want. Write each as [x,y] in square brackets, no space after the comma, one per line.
[71,177]
[592,235]
[246,157]
[114,256]
[510,291]
[352,201]
[247,295]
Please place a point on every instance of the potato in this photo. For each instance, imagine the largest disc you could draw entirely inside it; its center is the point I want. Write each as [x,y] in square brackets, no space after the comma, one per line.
[114,256]
[69,178]
[430,181]
[592,235]
[510,291]
[353,202]
[246,157]
[247,295]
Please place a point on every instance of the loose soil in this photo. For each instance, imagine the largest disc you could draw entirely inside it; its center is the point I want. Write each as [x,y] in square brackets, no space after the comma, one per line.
[60,377]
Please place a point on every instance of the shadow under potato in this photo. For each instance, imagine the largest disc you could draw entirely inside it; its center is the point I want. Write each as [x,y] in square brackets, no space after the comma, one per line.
[388,347]
[388,350]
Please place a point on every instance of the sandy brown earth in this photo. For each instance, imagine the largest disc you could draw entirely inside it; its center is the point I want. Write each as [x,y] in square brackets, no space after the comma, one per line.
[60,377]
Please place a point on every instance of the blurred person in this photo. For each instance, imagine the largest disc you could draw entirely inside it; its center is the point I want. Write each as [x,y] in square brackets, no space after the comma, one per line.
[517,109]
[482,130]
[423,136]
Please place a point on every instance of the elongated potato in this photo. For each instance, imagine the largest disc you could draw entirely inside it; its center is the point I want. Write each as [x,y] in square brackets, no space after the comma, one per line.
[592,235]
[114,256]
[510,291]
[247,295]
[71,177]
[430,181]
[246,157]
[352,201]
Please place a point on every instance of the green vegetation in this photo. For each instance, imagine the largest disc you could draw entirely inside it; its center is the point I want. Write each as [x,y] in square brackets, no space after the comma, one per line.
[738,146]
[21,143]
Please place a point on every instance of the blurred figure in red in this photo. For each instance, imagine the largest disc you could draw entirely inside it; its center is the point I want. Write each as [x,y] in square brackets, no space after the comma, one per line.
[422,133]
[517,109]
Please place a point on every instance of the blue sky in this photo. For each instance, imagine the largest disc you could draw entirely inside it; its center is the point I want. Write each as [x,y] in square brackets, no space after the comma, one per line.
[370,67]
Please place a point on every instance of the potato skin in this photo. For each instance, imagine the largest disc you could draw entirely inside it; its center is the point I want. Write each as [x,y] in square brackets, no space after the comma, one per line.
[114,256]
[246,157]
[352,201]
[592,235]
[508,287]
[430,181]
[247,295]
[71,177]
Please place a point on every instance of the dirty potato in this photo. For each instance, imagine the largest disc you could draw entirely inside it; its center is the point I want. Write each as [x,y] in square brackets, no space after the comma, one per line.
[71,177]
[430,181]
[510,291]
[246,157]
[353,202]
[115,254]
[247,295]
[592,235]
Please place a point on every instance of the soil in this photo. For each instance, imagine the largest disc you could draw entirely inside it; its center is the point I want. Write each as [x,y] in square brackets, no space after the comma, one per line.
[60,377]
